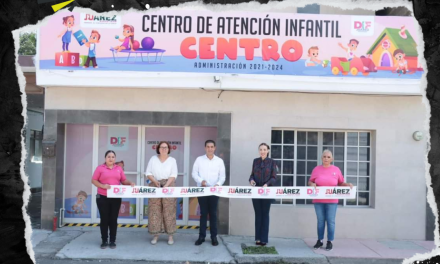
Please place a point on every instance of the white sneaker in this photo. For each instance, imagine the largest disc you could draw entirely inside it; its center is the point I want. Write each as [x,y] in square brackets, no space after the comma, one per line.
[154,241]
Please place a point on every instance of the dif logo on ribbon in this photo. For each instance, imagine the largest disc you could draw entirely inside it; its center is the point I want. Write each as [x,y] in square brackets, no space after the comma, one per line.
[119,191]
[168,191]
[312,192]
[263,192]
[215,189]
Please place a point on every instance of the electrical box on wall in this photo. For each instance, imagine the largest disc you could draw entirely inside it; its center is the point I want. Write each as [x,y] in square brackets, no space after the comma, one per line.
[48,148]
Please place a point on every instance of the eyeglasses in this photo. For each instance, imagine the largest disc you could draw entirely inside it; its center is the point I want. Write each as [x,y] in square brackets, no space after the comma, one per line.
[164,147]
[329,157]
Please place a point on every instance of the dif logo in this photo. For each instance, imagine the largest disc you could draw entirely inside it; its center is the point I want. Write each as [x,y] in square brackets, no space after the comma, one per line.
[362,26]
[118,141]
[263,191]
[118,190]
[168,191]
[312,191]
[216,189]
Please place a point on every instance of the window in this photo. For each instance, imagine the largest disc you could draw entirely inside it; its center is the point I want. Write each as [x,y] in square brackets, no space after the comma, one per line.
[297,152]
[36,138]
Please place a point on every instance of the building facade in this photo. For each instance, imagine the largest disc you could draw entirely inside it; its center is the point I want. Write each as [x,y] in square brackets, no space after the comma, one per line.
[368,124]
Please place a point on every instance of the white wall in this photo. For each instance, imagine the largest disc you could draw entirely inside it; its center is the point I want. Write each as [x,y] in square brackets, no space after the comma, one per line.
[400,198]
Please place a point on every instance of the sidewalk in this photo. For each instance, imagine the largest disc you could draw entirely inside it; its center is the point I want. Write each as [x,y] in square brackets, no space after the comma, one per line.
[134,245]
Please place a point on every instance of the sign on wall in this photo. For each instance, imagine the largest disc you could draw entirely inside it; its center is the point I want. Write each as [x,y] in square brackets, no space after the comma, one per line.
[232,43]
[117,138]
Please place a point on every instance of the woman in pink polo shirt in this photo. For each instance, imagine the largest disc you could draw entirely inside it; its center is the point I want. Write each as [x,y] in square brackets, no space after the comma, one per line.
[105,175]
[326,175]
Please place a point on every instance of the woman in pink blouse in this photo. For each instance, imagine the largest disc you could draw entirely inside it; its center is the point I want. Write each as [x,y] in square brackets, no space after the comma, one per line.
[105,175]
[326,175]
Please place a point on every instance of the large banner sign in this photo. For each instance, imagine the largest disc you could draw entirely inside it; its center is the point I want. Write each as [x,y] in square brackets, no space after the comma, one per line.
[232,43]
[123,191]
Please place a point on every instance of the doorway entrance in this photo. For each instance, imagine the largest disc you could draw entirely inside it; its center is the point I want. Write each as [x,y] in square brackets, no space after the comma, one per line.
[134,145]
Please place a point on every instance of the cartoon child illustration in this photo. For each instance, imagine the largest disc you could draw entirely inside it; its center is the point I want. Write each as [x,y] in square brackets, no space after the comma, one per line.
[402,64]
[313,57]
[120,164]
[69,22]
[350,49]
[79,207]
[128,32]
[91,44]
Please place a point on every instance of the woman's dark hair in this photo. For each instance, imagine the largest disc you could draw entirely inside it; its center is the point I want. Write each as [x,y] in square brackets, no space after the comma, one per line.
[160,143]
[267,146]
[109,151]
[209,141]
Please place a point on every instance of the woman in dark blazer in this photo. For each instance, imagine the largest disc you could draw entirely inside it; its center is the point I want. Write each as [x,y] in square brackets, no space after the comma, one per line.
[264,172]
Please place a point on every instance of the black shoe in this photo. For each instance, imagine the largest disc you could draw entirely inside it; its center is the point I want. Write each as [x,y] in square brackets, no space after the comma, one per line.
[214,241]
[329,246]
[199,241]
[104,244]
[318,244]
[258,243]
[262,244]
[112,245]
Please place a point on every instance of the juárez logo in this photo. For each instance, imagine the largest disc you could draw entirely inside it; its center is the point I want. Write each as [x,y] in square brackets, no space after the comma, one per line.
[338,191]
[100,18]
[288,191]
[240,190]
[144,190]
[192,190]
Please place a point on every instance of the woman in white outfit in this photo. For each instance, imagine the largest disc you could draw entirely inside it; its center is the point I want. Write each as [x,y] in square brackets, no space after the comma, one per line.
[162,172]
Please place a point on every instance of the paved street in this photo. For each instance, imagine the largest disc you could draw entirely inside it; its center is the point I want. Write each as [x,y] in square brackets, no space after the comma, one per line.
[81,245]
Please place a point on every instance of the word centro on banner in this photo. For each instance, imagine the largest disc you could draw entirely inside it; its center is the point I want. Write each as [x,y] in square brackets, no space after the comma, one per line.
[322,192]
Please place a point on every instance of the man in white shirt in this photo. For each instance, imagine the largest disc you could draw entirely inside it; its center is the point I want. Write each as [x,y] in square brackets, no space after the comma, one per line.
[208,170]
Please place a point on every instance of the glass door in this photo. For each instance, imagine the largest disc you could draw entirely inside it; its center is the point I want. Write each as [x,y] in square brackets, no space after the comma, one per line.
[175,136]
[197,138]
[124,141]
[135,145]
[79,199]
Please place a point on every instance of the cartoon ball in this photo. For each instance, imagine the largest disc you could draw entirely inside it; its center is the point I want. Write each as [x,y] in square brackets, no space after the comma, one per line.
[116,37]
[147,43]
[136,45]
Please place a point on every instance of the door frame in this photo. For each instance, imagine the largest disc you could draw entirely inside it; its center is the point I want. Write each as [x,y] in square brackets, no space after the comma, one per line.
[142,180]
[96,127]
